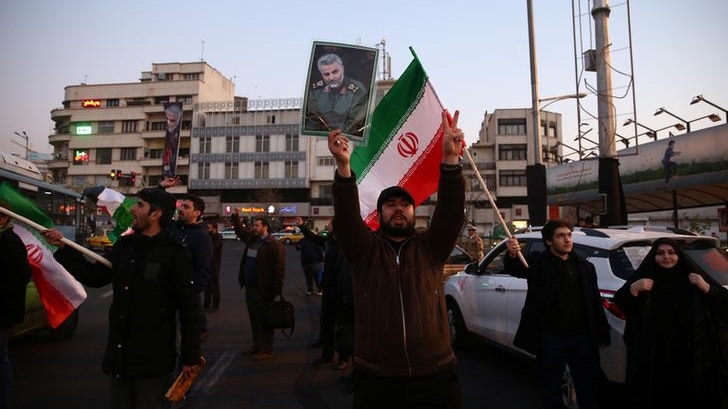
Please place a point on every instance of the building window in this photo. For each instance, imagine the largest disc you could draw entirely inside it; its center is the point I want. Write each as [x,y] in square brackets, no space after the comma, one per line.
[129,126]
[185,99]
[326,161]
[106,127]
[325,191]
[231,170]
[137,102]
[291,169]
[161,100]
[262,143]
[205,144]
[155,153]
[191,76]
[103,156]
[512,152]
[159,126]
[232,144]
[270,119]
[513,178]
[512,126]
[128,153]
[112,102]
[80,157]
[490,180]
[203,170]
[292,143]
[261,170]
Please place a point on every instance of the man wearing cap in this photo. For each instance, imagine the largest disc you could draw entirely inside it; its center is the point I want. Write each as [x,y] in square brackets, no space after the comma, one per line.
[402,355]
[152,279]
[474,245]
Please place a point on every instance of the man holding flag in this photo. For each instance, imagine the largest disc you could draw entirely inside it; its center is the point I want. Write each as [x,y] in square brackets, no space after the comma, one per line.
[152,279]
[13,279]
[402,356]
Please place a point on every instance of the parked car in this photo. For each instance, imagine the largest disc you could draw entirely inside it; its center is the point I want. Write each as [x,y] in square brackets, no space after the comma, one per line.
[228,233]
[289,236]
[483,300]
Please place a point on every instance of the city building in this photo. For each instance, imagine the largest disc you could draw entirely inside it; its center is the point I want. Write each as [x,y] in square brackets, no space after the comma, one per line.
[113,134]
[501,155]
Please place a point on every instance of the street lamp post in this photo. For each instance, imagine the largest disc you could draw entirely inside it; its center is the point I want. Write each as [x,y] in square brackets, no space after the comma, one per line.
[27,145]
[700,98]
[662,109]
[712,117]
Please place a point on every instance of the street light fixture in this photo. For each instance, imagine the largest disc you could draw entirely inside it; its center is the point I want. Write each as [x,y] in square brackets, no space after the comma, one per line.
[662,109]
[652,133]
[712,117]
[560,98]
[700,98]
[27,140]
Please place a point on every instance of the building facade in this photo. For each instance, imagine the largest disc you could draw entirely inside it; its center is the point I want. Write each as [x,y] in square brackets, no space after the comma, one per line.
[121,127]
[501,155]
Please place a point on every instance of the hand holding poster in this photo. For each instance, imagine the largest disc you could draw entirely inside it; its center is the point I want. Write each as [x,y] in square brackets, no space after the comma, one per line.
[340,90]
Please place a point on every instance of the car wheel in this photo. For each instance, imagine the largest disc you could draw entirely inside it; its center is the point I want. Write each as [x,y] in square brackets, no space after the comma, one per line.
[459,334]
[67,328]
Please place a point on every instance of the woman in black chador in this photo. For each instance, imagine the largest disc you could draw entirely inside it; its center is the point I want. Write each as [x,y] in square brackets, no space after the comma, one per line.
[676,333]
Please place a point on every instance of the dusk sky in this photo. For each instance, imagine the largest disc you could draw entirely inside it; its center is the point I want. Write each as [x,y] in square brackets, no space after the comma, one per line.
[475,52]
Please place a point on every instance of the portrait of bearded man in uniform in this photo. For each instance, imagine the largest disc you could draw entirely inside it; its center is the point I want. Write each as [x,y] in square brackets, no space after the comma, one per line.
[334,99]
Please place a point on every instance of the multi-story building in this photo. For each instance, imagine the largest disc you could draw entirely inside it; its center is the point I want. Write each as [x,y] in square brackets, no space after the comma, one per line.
[501,155]
[121,127]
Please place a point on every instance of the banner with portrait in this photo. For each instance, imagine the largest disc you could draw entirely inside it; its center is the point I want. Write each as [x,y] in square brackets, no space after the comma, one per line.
[173,113]
[340,90]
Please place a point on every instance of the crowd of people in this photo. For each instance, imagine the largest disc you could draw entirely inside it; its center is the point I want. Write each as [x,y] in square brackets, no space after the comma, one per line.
[383,311]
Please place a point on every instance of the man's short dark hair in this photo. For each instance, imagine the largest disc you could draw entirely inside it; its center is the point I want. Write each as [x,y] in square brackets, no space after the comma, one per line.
[548,230]
[158,199]
[196,201]
[264,221]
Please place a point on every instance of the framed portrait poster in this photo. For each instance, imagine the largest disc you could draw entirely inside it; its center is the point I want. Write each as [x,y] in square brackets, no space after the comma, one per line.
[340,88]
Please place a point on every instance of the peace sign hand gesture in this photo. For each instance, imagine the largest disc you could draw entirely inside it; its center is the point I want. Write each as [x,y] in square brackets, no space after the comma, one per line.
[452,139]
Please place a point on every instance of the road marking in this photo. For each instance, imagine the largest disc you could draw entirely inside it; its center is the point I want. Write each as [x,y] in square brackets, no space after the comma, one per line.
[209,378]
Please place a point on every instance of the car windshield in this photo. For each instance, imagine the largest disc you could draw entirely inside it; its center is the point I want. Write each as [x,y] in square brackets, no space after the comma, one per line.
[711,260]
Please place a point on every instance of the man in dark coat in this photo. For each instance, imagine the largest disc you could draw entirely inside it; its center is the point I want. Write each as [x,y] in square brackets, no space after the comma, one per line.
[212,292]
[262,268]
[152,279]
[13,279]
[562,321]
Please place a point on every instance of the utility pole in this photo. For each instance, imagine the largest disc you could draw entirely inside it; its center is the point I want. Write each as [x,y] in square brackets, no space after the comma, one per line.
[535,172]
[610,183]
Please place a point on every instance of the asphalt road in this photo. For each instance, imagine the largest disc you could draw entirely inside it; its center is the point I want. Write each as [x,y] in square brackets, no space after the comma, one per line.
[67,373]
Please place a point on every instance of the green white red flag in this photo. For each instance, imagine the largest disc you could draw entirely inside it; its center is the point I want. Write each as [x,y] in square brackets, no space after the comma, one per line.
[60,293]
[116,205]
[405,143]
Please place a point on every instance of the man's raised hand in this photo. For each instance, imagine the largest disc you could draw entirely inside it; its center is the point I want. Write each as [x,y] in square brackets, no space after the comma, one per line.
[452,138]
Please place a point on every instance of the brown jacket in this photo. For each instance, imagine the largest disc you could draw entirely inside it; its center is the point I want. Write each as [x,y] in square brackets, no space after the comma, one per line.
[401,318]
[270,265]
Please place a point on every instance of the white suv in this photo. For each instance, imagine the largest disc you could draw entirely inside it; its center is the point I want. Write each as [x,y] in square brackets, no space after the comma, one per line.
[484,300]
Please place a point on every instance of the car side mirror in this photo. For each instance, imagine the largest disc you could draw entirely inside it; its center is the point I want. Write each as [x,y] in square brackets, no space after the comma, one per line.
[471,268]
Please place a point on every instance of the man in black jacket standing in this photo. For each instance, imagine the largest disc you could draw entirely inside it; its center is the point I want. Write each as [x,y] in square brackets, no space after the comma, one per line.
[562,321]
[152,279]
[13,279]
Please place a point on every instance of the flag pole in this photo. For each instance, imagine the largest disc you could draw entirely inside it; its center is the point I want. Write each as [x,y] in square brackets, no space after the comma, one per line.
[492,202]
[65,240]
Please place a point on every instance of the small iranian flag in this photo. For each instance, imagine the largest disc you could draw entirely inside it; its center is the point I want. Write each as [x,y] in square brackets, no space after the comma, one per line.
[117,206]
[60,293]
[405,143]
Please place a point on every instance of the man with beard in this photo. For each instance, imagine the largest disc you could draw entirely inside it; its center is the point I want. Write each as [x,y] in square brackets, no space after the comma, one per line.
[402,353]
[262,268]
[336,101]
[152,280]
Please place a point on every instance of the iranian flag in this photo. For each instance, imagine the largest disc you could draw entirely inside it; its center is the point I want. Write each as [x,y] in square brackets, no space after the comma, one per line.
[60,293]
[116,204]
[405,143]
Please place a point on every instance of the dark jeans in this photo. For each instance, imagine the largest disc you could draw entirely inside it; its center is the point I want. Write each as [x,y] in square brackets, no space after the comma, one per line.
[437,391]
[311,273]
[138,393]
[582,356]
[212,292]
[6,375]
[262,337]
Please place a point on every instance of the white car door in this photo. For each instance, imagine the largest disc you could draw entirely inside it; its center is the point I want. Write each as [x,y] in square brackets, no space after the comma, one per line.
[490,289]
